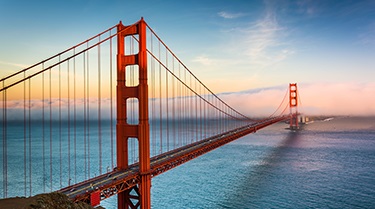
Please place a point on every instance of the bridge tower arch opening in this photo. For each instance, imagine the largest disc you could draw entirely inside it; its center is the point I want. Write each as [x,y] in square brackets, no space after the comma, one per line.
[140,131]
[293,105]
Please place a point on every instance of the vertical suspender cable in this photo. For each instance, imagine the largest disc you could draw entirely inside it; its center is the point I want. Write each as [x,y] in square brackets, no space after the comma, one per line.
[191,114]
[221,120]
[99,112]
[199,121]
[75,117]
[205,119]
[216,117]
[222,126]
[88,113]
[84,113]
[3,139]
[60,140]
[229,119]
[60,133]
[183,110]
[24,133]
[227,125]
[29,119]
[5,163]
[43,132]
[186,110]
[69,163]
[190,109]
[111,100]
[166,97]
[200,113]
[222,116]
[50,127]
[206,112]
[179,110]
[173,107]
[196,111]
[160,105]
[153,127]
[5,145]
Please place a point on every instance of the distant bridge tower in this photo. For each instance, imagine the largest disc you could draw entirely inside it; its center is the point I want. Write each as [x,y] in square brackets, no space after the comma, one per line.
[136,196]
[293,105]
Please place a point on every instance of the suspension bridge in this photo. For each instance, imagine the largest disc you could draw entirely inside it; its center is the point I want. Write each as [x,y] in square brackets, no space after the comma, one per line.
[105,116]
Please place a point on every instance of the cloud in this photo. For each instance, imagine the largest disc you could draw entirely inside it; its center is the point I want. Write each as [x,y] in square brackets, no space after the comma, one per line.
[14,64]
[228,15]
[339,98]
[204,60]
[368,36]
[261,102]
[307,7]
[255,44]
[7,68]
[263,41]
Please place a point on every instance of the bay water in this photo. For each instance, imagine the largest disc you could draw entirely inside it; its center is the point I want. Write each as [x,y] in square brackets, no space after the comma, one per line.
[328,163]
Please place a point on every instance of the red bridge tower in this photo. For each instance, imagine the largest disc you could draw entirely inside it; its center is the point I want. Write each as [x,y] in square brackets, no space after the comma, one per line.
[293,105]
[140,195]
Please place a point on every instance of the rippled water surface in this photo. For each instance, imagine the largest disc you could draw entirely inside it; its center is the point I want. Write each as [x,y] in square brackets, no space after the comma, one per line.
[327,164]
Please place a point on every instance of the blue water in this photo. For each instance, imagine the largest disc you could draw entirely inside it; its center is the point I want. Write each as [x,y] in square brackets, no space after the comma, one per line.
[327,164]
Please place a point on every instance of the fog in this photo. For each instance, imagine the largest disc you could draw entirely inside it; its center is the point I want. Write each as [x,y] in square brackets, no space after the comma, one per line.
[314,99]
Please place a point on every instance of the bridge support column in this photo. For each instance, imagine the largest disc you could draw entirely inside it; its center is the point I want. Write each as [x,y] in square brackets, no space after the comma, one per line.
[141,131]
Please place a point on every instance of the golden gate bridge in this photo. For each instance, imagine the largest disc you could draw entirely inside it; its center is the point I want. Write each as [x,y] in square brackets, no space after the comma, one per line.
[105,116]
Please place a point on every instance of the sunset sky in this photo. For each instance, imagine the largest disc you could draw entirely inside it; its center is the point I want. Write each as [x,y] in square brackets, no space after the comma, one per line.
[327,47]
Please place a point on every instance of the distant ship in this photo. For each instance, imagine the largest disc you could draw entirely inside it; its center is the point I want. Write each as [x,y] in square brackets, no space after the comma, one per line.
[328,119]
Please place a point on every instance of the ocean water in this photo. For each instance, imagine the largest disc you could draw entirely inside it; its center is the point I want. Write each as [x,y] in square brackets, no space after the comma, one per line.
[326,164]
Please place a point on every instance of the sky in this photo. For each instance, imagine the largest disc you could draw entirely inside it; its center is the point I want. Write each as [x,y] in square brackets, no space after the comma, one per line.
[235,47]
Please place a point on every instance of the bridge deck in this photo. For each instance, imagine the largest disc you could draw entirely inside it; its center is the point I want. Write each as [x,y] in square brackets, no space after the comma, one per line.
[117,181]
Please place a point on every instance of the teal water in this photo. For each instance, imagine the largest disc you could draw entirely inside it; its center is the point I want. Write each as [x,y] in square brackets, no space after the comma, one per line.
[327,164]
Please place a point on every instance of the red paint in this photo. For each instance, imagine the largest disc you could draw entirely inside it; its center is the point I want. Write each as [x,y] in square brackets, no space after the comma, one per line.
[95,198]
[124,131]
[293,105]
